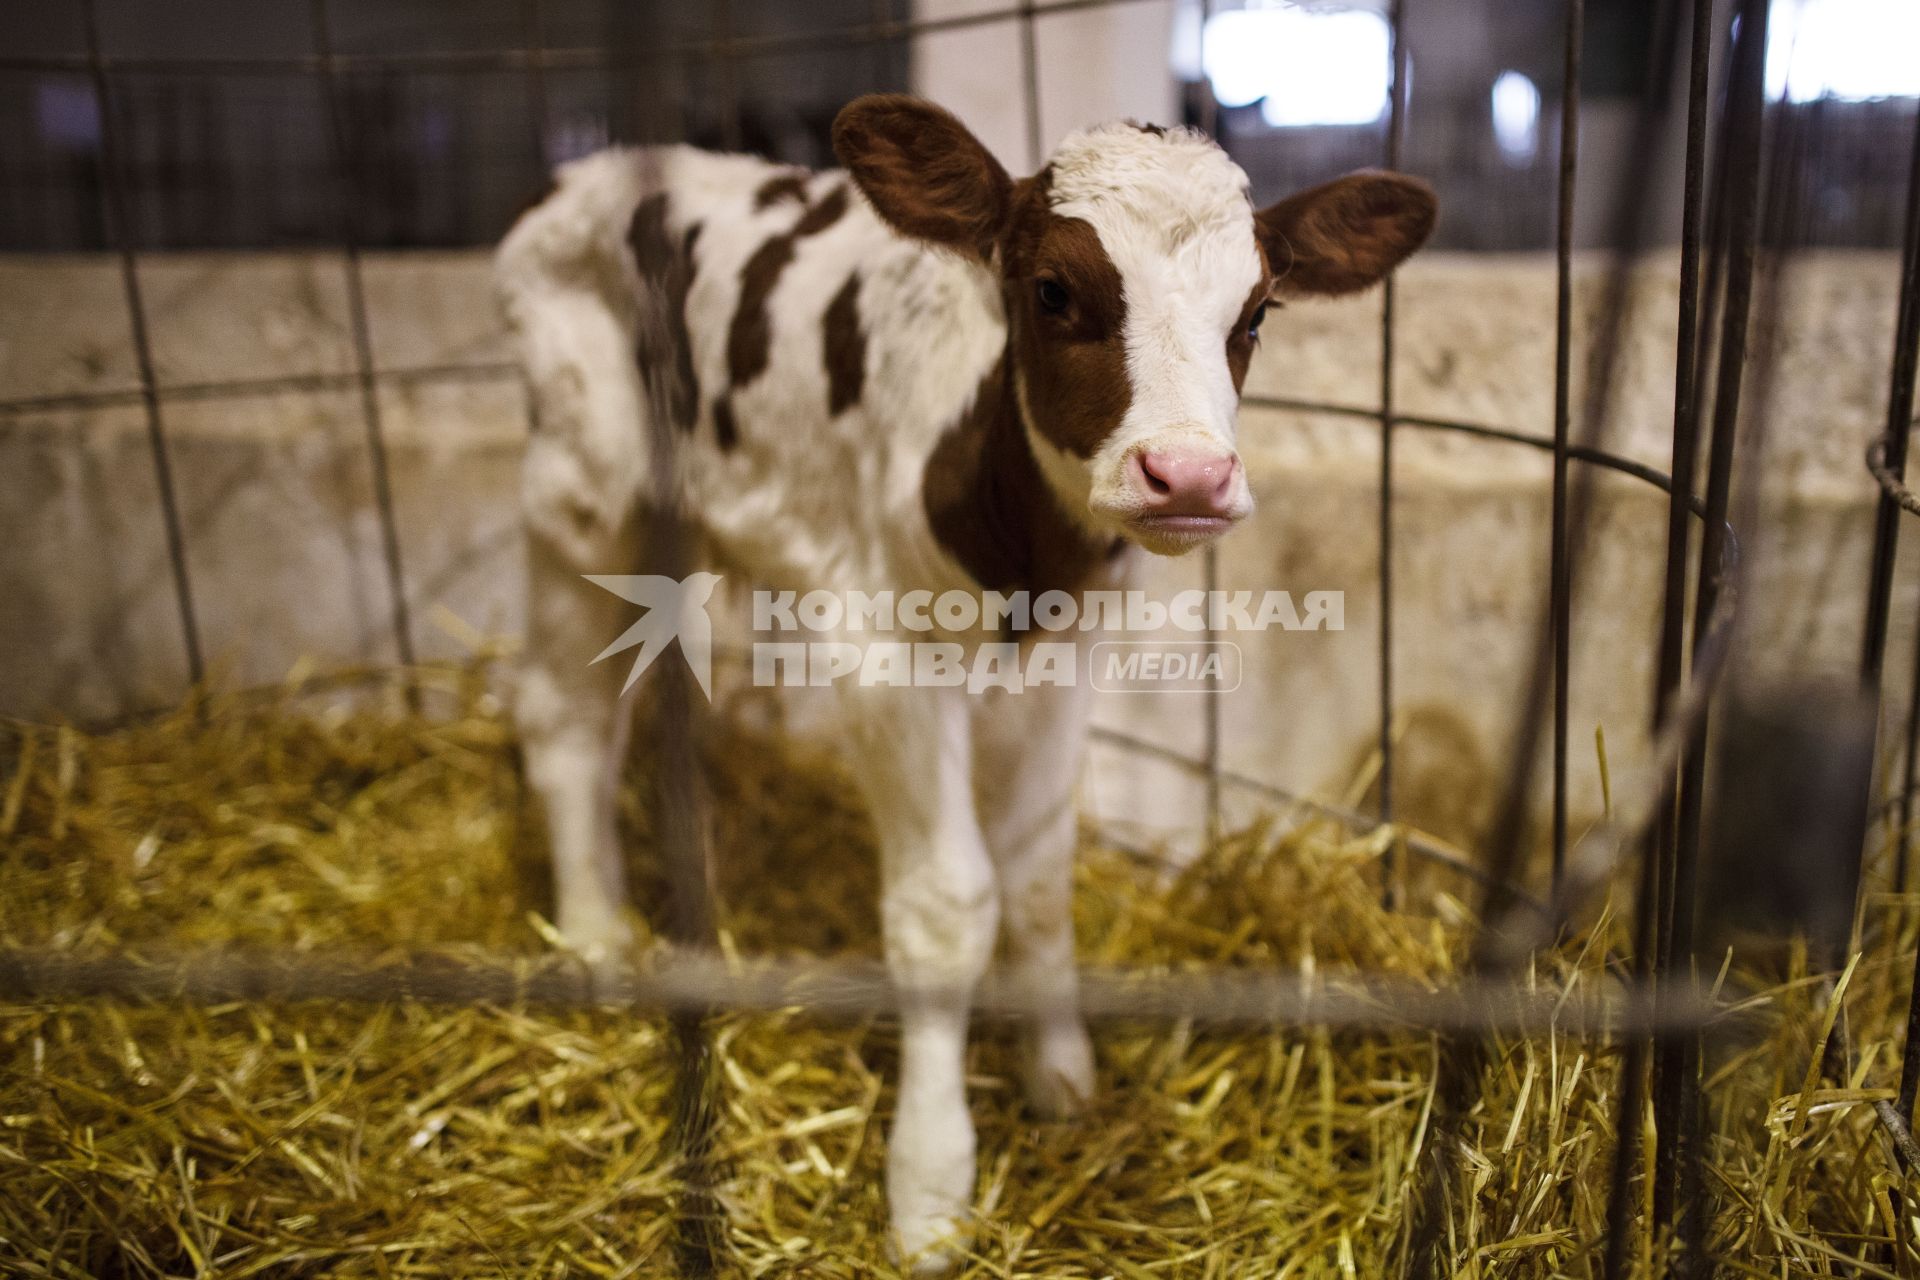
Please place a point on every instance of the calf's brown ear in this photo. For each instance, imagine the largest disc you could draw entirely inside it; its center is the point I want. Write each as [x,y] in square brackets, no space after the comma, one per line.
[1344,235]
[923,172]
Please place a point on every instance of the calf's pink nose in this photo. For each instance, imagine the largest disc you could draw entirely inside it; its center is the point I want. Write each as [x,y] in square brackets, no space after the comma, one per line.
[1186,484]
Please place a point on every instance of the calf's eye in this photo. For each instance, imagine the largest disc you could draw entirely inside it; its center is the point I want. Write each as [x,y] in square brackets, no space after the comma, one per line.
[1253,325]
[1053,297]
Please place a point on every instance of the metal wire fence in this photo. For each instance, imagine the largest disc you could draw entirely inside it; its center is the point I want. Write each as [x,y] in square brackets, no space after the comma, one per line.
[1735,230]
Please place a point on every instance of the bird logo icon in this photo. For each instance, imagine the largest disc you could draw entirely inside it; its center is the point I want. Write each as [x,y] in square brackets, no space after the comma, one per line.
[675,608]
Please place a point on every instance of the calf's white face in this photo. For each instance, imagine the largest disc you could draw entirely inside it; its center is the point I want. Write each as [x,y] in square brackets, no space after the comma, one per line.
[1135,272]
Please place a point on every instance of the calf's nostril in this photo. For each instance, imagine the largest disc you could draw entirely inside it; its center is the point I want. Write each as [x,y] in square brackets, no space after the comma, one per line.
[1156,482]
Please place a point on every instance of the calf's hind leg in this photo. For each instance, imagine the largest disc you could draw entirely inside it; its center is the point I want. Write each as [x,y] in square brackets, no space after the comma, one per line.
[586,466]
[574,725]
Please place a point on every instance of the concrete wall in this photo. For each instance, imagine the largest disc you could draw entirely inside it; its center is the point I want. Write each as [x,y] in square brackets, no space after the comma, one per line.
[1096,65]
[283,543]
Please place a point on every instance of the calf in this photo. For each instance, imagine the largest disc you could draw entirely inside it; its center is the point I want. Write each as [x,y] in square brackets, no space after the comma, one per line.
[917,373]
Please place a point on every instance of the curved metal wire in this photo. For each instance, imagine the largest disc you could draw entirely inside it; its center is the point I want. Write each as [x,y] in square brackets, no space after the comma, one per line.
[1890,482]
[1415,842]
[1591,455]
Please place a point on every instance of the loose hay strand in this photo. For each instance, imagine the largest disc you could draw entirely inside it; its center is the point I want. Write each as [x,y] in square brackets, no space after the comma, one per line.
[502,1139]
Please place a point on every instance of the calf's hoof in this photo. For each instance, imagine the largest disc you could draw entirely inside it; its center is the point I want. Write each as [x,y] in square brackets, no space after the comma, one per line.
[928,1247]
[601,939]
[1059,1069]
[930,1190]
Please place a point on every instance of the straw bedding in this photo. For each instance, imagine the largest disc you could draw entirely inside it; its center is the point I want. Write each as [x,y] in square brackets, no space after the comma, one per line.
[407,1140]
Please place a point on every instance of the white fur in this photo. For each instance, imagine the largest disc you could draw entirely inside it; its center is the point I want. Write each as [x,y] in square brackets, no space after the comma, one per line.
[972,797]
[1175,216]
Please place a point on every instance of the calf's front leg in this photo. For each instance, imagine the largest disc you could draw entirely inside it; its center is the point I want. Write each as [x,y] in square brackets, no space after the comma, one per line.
[938,912]
[1027,753]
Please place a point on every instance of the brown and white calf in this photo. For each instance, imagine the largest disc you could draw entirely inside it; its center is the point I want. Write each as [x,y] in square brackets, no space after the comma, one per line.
[917,373]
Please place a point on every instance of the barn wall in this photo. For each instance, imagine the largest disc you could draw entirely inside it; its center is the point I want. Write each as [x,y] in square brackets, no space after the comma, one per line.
[283,543]
[1099,65]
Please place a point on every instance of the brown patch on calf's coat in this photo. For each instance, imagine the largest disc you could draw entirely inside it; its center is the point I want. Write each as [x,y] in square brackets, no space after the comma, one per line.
[991,509]
[726,431]
[845,346]
[1073,365]
[783,186]
[665,352]
[819,217]
[750,336]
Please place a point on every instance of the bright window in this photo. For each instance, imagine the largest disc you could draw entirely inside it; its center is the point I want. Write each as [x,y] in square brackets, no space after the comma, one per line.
[1516,116]
[1304,66]
[1854,50]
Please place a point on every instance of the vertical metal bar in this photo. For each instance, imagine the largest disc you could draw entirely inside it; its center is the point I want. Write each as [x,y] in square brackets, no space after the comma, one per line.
[1208,104]
[1633,1093]
[1715,237]
[1677,1057]
[1561,588]
[1910,1050]
[1210,566]
[1030,81]
[338,131]
[1886,532]
[1657,856]
[1900,406]
[1686,409]
[120,234]
[1210,571]
[679,809]
[1908,772]
[1780,231]
[534,26]
[1396,137]
[1690,364]
[1906,350]
[679,817]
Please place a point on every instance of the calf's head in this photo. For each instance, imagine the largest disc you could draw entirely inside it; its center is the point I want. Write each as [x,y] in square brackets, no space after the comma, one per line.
[1135,273]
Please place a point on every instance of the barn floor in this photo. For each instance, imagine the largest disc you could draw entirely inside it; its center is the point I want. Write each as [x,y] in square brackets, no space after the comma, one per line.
[410,1140]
